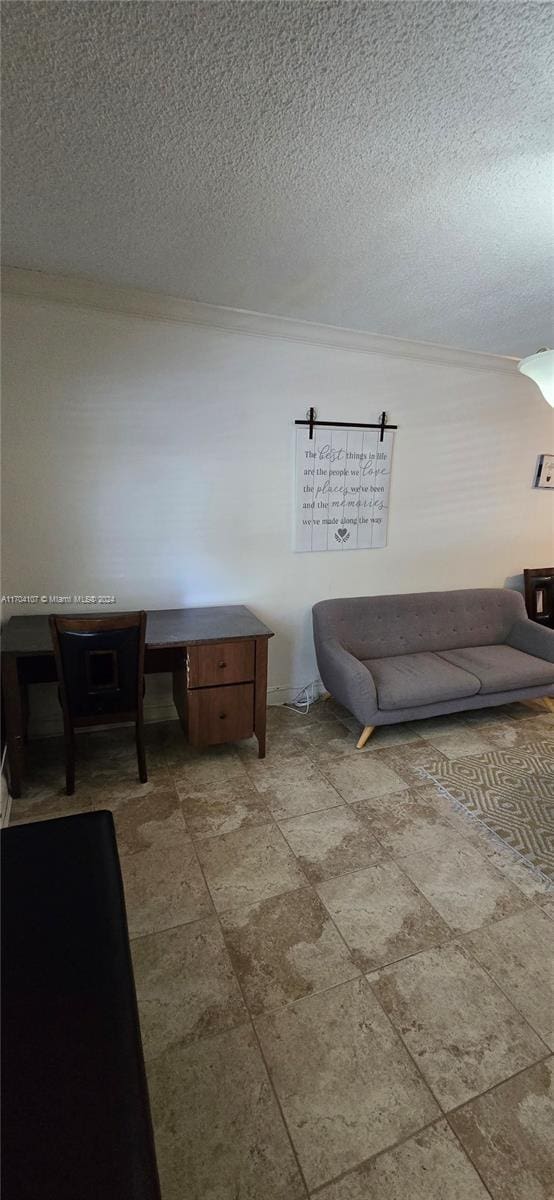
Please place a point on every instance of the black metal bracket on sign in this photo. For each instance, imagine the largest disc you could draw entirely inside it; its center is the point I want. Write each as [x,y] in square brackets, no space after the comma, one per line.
[312,422]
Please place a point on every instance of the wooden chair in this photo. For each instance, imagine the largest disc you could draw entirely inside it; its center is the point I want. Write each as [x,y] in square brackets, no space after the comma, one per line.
[100,666]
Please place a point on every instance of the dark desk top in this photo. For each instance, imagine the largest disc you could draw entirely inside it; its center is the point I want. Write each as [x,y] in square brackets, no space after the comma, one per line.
[164,627]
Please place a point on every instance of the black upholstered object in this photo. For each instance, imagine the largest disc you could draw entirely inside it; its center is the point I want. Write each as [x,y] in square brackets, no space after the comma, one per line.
[75,1112]
[100,669]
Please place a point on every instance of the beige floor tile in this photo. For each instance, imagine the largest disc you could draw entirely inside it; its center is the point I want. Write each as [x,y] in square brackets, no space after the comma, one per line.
[455,743]
[281,717]
[530,882]
[219,1134]
[519,954]
[346,1082]
[186,987]
[461,1030]
[460,882]
[281,770]
[385,737]
[488,716]
[501,856]
[381,915]
[346,1085]
[280,743]
[423,792]
[330,730]
[406,821]
[42,753]
[283,948]
[409,763]
[213,808]
[292,786]
[112,741]
[469,828]
[540,724]
[351,724]
[248,865]
[508,1135]
[547,904]
[358,777]
[510,735]
[44,805]
[447,723]
[330,707]
[44,792]
[293,800]
[323,742]
[143,821]
[110,787]
[218,764]
[429,1166]
[164,886]
[332,750]
[331,842]
[172,744]
[107,768]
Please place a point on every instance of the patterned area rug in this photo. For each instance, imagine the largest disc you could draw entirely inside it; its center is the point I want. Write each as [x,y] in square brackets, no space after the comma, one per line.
[511,792]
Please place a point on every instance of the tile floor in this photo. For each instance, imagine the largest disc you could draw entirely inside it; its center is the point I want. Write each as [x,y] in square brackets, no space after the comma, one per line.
[345,987]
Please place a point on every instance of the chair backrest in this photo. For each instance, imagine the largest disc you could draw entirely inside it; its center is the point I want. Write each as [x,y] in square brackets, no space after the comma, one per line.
[100,665]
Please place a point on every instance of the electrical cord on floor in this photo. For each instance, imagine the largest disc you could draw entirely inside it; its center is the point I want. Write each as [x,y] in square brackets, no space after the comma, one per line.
[302,702]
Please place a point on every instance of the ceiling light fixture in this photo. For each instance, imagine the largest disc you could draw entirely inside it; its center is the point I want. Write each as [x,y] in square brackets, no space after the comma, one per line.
[540,368]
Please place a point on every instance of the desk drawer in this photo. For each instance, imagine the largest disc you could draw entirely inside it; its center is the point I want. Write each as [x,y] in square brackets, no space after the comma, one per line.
[224,714]
[220,662]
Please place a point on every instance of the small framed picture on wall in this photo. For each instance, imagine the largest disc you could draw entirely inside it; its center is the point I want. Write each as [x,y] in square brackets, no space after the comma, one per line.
[544,473]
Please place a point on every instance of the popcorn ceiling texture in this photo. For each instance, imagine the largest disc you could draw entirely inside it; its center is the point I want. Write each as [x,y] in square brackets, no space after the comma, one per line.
[380,166]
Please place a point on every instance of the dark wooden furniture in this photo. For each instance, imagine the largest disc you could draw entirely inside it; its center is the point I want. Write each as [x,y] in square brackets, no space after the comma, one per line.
[100,668]
[189,643]
[215,691]
[539,595]
[75,1111]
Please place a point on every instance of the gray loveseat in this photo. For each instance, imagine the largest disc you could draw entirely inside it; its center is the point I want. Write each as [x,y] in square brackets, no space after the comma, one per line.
[399,658]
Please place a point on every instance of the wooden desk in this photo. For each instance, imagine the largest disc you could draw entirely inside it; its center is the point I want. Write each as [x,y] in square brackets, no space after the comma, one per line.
[217,657]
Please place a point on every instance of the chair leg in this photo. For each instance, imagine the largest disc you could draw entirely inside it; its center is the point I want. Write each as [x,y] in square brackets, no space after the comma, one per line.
[141,754]
[366,733]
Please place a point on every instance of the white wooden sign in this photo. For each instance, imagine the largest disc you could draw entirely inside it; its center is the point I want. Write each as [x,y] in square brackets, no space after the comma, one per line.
[342,488]
[544,473]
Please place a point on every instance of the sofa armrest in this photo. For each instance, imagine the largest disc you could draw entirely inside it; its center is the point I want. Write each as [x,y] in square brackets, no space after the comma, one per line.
[532,638]
[348,681]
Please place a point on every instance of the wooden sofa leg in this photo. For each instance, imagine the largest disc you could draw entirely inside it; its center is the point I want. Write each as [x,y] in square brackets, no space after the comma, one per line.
[549,701]
[366,733]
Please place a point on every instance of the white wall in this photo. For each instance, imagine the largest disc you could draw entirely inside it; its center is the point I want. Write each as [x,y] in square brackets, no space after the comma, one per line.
[153,459]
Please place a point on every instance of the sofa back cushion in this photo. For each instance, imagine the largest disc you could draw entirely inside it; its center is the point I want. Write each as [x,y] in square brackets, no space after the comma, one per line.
[379,626]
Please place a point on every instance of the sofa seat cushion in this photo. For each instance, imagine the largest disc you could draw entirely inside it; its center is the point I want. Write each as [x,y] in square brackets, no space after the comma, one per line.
[501,668]
[411,679]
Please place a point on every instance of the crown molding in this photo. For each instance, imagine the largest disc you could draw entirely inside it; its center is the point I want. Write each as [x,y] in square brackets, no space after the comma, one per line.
[78,292]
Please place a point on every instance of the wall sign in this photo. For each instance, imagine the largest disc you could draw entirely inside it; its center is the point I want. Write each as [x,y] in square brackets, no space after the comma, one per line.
[544,472]
[342,487]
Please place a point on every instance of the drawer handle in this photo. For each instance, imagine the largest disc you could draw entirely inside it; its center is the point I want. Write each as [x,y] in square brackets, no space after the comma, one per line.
[222,665]
[223,716]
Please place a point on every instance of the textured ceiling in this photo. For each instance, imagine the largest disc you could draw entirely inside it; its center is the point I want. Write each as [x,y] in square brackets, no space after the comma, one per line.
[381,166]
